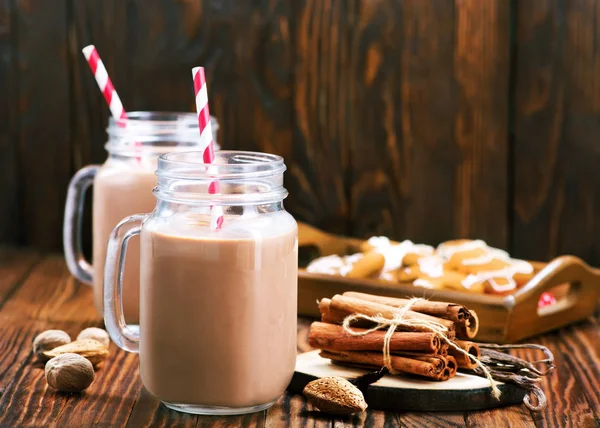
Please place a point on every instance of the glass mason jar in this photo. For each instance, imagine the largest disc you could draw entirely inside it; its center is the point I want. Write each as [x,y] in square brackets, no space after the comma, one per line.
[218,307]
[123,186]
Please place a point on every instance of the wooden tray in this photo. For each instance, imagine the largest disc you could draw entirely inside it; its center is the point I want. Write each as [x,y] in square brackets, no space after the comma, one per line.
[464,392]
[502,319]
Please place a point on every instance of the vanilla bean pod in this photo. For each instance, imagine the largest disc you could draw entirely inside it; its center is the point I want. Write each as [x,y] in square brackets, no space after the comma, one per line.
[541,399]
[363,382]
[510,369]
[494,358]
[549,356]
[524,381]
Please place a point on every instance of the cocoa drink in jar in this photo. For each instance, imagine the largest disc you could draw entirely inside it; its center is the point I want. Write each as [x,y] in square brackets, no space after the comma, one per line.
[218,305]
[122,187]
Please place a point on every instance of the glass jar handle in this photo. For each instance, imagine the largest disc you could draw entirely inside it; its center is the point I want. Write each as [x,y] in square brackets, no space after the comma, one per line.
[114,319]
[79,267]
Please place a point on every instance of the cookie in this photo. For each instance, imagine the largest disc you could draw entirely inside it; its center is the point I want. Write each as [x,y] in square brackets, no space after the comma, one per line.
[368,265]
[470,256]
[523,271]
[417,252]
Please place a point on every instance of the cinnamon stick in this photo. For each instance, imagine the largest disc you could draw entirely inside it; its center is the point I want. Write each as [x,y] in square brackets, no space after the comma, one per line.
[375,360]
[324,309]
[342,306]
[452,365]
[445,375]
[444,349]
[450,311]
[438,361]
[331,336]
[469,328]
[461,359]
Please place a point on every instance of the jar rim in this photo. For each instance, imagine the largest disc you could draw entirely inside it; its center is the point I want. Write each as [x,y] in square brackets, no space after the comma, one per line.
[155,132]
[227,164]
[159,118]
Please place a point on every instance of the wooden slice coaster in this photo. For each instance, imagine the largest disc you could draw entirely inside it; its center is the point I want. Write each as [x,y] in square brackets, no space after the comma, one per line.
[463,392]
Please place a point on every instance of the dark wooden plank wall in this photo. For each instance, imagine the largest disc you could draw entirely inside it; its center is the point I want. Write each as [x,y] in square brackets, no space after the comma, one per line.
[557,124]
[9,202]
[423,119]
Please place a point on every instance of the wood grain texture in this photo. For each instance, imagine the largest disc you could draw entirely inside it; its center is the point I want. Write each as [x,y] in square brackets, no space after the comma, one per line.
[110,399]
[26,390]
[429,147]
[47,298]
[481,69]
[14,268]
[105,403]
[318,164]
[105,24]
[433,420]
[9,198]
[15,349]
[381,152]
[573,408]
[580,351]
[252,421]
[148,411]
[393,116]
[44,127]
[374,418]
[246,50]
[514,416]
[557,103]
[294,411]
[62,301]
[429,97]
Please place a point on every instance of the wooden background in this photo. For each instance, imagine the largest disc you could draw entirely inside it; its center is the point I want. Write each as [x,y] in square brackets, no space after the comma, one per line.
[420,119]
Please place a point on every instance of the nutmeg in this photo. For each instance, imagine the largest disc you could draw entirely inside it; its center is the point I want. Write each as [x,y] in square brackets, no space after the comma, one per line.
[69,373]
[48,340]
[95,333]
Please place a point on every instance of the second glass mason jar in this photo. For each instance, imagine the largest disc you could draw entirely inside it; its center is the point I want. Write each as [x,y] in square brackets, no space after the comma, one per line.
[218,307]
[123,186]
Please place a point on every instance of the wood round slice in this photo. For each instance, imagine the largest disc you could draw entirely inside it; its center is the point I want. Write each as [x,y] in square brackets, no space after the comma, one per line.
[463,392]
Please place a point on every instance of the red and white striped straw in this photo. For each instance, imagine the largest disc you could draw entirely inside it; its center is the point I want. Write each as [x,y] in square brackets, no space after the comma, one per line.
[206,139]
[105,84]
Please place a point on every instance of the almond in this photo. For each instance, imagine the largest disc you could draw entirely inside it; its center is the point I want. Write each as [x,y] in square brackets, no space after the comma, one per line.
[335,395]
[91,349]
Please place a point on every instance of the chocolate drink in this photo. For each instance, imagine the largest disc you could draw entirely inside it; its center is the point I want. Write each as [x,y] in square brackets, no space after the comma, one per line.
[218,309]
[120,190]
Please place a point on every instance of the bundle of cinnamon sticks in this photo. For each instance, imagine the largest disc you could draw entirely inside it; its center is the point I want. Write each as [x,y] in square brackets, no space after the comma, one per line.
[413,349]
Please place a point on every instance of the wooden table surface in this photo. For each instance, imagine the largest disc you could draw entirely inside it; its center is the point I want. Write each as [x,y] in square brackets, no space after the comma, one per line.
[37,293]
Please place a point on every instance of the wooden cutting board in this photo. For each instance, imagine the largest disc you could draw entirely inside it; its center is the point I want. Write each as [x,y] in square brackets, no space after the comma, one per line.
[463,392]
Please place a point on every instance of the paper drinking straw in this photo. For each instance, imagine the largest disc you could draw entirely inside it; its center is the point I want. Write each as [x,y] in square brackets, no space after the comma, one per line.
[206,139]
[104,83]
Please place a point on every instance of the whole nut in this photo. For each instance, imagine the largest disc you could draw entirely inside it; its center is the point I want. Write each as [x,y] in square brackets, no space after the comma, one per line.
[48,340]
[335,395]
[95,333]
[91,349]
[69,373]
